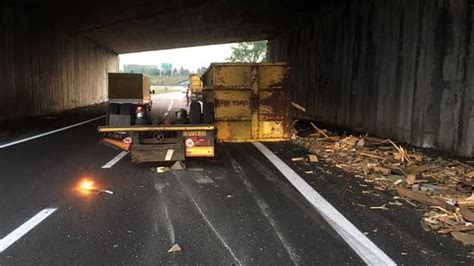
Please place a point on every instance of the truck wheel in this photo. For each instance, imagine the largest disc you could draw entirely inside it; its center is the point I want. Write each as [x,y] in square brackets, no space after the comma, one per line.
[141,121]
[195,112]
[112,109]
[126,109]
[208,113]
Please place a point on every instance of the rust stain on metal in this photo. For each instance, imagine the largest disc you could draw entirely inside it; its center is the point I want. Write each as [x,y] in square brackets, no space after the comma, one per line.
[227,103]
[251,101]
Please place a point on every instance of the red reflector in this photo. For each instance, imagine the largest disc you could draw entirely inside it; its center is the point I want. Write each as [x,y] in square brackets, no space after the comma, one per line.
[189,142]
[196,141]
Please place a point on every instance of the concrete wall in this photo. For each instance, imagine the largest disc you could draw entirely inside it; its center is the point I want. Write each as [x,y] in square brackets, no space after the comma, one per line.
[400,69]
[45,70]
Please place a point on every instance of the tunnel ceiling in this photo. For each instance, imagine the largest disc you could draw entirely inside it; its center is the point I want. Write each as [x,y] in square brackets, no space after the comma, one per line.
[144,25]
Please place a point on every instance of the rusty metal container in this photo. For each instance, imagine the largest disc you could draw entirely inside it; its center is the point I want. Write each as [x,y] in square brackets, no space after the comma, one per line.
[251,101]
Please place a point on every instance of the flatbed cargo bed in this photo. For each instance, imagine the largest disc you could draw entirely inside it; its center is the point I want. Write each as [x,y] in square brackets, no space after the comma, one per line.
[151,128]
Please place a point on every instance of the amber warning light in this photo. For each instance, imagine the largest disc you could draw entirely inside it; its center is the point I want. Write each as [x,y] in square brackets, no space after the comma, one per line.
[88,186]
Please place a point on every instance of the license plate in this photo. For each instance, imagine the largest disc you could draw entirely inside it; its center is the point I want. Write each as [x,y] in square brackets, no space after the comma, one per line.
[194,133]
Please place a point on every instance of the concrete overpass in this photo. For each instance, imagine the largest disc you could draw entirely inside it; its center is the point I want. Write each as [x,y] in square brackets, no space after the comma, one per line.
[399,69]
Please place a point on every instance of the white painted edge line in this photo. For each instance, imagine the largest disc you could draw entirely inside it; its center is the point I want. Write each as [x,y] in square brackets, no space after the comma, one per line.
[115,159]
[25,228]
[48,133]
[366,249]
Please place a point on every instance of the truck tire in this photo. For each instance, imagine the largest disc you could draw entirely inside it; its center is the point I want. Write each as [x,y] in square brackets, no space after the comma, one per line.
[141,122]
[112,109]
[208,113]
[126,109]
[195,112]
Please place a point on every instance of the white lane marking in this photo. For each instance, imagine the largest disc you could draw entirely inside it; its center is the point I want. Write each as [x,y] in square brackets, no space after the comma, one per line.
[265,210]
[25,228]
[171,105]
[169,154]
[48,133]
[201,213]
[115,160]
[366,249]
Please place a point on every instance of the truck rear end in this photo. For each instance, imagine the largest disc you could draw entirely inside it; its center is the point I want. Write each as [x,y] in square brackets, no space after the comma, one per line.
[129,99]
[130,126]
[153,143]
[241,102]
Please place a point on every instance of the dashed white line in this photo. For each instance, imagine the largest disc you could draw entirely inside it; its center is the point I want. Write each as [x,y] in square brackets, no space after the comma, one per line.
[366,249]
[171,105]
[115,160]
[25,228]
[48,133]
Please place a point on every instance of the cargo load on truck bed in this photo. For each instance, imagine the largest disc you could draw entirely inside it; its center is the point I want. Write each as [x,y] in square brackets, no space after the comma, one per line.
[129,88]
[129,99]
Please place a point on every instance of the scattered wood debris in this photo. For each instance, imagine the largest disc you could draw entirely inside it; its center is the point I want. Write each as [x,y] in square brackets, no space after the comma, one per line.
[383,207]
[444,186]
[174,248]
[162,169]
[299,107]
[297,159]
[313,158]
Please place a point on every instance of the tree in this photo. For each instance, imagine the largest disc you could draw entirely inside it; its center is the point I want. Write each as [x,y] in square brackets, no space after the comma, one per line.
[175,72]
[145,69]
[183,71]
[201,70]
[249,52]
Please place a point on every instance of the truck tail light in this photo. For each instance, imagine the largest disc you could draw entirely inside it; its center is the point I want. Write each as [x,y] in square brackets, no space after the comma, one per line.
[140,112]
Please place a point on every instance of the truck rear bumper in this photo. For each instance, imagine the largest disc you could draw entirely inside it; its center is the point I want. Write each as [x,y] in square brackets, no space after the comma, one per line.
[157,153]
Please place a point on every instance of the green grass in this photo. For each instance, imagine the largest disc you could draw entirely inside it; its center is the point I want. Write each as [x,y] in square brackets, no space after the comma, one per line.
[162,90]
[167,80]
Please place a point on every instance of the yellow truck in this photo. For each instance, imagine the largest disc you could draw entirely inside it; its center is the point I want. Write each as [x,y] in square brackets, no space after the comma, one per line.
[195,85]
[241,102]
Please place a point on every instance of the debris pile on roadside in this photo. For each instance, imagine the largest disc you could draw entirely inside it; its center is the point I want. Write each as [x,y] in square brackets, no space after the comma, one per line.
[444,186]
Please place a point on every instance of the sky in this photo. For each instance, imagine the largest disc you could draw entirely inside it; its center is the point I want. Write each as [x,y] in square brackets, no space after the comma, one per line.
[191,58]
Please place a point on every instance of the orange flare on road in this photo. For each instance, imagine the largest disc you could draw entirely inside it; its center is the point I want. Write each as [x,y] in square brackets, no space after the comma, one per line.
[86,186]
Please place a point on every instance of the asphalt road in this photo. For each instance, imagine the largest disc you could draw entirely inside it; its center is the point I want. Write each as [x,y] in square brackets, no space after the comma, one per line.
[236,208]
